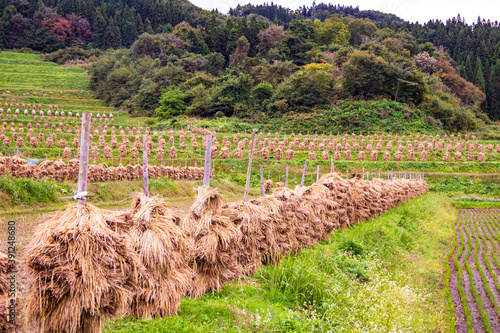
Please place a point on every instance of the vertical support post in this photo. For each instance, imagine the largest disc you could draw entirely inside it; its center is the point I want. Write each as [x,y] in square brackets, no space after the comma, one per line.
[331,165]
[250,156]
[261,181]
[378,173]
[84,158]
[347,172]
[303,175]
[145,185]
[317,174]
[286,179]
[208,156]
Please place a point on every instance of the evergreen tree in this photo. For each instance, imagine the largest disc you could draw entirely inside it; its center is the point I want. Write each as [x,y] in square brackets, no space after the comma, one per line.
[253,31]
[2,35]
[479,79]
[197,45]
[147,26]
[462,71]
[99,29]
[469,70]
[494,97]
[140,24]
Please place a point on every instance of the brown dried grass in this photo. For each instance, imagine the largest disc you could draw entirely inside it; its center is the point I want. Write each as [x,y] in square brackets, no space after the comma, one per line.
[79,272]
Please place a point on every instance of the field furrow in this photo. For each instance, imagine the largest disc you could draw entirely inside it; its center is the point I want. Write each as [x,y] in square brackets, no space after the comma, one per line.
[474,280]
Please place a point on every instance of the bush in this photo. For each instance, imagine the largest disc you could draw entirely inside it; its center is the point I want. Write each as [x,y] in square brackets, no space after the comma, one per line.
[71,53]
[313,85]
[171,103]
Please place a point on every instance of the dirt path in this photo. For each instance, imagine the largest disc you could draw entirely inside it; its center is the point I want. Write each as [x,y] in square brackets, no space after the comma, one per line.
[476,296]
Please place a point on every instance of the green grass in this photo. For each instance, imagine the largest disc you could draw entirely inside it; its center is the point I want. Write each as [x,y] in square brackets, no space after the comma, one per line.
[473,203]
[465,185]
[381,275]
[15,191]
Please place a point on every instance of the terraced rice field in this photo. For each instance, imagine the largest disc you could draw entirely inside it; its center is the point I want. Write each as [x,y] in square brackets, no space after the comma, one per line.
[30,80]
[475,271]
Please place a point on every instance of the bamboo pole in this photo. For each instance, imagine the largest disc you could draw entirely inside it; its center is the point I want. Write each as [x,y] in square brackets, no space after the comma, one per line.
[208,156]
[250,155]
[145,185]
[303,174]
[286,179]
[261,181]
[84,158]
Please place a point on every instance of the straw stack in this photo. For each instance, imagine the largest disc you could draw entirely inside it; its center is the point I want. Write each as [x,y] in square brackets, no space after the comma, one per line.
[214,251]
[4,291]
[79,272]
[164,251]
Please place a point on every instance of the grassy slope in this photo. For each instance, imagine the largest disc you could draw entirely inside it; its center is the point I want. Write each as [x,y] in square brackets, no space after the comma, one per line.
[395,283]
[32,80]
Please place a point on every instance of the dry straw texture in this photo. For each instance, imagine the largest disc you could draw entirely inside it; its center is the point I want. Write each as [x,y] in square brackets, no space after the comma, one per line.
[4,290]
[214,236]
[60,171]
[79,272]
[164,251]
[233,239]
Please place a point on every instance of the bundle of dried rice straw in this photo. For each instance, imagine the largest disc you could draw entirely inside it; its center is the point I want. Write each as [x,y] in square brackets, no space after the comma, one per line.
[164,250]
[214,251]
[79,272]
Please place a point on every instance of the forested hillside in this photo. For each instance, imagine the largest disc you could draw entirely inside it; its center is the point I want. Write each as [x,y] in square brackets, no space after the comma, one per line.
[54,24]
[267,61]
[474,47]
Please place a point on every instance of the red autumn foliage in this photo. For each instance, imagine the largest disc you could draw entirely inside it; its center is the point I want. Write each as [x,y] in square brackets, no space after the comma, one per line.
[59,27]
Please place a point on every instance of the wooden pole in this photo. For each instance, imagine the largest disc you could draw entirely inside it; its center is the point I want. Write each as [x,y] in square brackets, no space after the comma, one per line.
[286,179]
[84,158]
[145,185]
[331,165]
[261,181]
[317,174]
[303,175]
[250,155]
[208,156]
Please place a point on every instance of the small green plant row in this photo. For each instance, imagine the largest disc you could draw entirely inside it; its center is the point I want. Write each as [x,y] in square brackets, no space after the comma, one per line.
[482,224]
[458,267]
[491,223]
[475,232]
[475,294]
